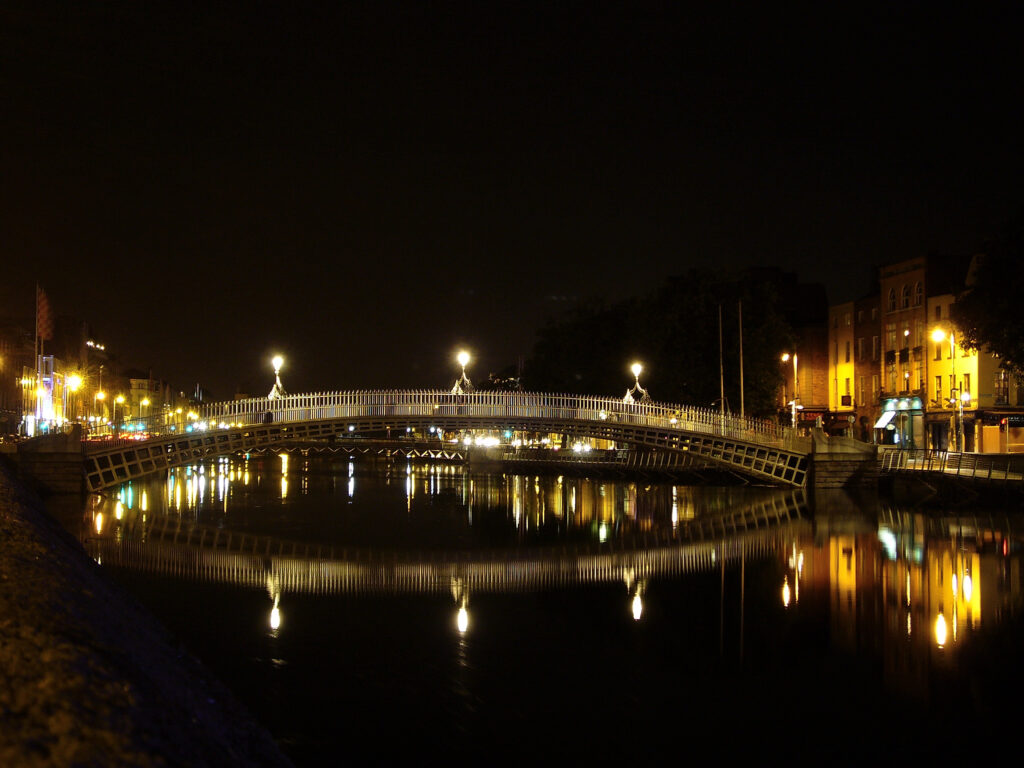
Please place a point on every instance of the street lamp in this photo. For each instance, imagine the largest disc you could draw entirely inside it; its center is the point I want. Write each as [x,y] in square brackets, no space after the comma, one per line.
[632,394]
[955,395]
[278,389]
[100,396]
[73,382]
[462,384]
[144,403]
[796,384]
[119,400]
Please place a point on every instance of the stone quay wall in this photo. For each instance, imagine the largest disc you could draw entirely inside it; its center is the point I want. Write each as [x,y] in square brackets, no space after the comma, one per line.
[87,676]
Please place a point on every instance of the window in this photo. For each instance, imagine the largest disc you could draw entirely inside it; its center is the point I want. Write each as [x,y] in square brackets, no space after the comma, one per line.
[905,297]
[874,386]
[892,299]
[847,354]
[918,293]
[874,348]
[847,386]
[938,311]
[860,315]
[874,313]
[1002,383]
[938,390]
[835,321]
[938,350]
[890,335]
[967,384]
[847,319]
[860,389]
[860,349]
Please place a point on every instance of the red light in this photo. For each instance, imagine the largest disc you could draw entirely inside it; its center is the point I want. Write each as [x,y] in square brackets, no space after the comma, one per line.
[1006,547]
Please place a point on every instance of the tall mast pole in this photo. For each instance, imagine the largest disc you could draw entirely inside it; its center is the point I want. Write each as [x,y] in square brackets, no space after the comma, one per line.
[742,409]
[721,366]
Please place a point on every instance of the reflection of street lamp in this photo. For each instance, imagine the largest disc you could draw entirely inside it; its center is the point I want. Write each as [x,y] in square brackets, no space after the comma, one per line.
[278,389]
[462,384]
[796,384]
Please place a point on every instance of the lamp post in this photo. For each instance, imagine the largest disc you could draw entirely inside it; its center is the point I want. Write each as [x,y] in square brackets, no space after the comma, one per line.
[796,388]
[462,384]
[98,398]
[278,389]
[73,382]
[955,394]
[631,394]
[119,400]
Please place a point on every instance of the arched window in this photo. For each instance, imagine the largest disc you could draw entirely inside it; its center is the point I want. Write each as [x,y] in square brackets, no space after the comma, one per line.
[892,299]
[918,294]
[905,302]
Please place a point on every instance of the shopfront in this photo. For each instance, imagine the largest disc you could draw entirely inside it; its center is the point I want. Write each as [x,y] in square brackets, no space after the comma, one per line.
[901,423]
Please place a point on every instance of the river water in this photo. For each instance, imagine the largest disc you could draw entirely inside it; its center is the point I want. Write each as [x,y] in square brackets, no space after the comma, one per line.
[377,611]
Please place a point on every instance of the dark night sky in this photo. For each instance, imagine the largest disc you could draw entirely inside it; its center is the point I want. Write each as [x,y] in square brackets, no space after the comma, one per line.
[370,187]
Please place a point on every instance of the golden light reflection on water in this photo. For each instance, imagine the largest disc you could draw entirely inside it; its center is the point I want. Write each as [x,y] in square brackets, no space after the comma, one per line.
[921,569]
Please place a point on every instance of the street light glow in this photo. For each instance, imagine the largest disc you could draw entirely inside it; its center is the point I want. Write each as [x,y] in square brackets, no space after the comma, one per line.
[637,369]
[277,362]
[74,382]
[463,358]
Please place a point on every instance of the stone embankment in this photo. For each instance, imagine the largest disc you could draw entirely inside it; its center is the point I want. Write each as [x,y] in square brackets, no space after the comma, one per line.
[87,676]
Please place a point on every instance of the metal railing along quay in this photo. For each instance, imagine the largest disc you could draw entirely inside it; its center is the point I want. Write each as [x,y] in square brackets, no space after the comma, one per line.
[989,467]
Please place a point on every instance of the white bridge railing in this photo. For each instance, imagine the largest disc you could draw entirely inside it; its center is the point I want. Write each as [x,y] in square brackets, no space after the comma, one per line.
[445,407]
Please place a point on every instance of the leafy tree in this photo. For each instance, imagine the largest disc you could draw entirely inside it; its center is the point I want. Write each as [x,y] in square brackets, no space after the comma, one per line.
[988,313]
[674,332]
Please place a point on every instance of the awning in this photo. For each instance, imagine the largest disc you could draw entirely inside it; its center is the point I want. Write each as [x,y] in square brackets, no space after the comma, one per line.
[886,417]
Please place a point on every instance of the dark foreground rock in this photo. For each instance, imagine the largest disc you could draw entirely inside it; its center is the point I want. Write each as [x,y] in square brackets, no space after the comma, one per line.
[88,677]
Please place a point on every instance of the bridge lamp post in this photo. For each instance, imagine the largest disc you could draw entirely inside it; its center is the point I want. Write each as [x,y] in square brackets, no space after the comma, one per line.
[278,389]
[462,385]
[98,398]
[631,394]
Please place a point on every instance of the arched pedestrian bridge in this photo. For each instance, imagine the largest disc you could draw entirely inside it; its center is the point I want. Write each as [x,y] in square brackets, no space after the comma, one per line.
[759,449]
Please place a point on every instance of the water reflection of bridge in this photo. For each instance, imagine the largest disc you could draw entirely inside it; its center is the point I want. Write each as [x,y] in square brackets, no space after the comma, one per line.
[173,547]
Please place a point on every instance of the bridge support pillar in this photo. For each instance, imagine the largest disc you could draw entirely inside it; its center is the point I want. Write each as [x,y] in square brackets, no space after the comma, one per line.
[53,464]
[842,462]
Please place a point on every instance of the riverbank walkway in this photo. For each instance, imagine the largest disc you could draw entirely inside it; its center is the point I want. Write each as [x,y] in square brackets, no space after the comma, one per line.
[87,677]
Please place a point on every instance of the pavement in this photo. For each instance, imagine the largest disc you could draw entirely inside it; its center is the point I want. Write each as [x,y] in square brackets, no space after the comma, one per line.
[87,676]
